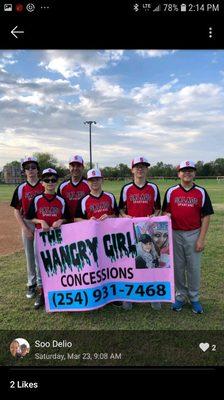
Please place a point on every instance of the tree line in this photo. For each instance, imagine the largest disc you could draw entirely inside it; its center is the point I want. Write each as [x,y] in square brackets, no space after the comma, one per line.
[120,171]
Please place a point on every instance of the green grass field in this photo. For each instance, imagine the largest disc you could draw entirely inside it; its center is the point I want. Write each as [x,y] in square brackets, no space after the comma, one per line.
[16,312]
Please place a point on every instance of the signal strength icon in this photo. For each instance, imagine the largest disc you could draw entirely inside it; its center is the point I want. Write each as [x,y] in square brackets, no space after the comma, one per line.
[158,8]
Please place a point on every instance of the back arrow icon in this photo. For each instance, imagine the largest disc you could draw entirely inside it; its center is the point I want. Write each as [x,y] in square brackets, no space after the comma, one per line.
[13,32]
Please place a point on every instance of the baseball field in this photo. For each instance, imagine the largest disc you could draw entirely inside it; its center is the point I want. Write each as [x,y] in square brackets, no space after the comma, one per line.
[17,312]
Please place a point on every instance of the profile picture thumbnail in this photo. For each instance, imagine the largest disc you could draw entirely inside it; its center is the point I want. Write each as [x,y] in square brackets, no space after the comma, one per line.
[19,348]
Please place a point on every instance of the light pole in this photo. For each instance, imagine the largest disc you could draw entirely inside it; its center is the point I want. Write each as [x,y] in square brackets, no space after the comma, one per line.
[90,141]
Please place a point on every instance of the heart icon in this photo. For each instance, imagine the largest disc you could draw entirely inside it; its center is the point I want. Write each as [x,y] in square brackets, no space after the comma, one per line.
[204,346]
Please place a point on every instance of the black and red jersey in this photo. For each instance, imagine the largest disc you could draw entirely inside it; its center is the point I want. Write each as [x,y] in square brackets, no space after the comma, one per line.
[187,207]
[48,207]
[23,196]
[72,193]
[140,201]
[92,206]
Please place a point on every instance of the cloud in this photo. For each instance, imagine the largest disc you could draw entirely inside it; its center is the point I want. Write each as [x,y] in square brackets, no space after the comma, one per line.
[114,55]
[37,92]
[154,53]
[6,58]
[106,89]
[150,91]
[204,97]
[73,63]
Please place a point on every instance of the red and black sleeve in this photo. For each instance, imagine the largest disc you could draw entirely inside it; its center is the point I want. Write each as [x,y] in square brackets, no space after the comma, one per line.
[122,203]
[66,214]
[166,205]
[79,213]
[31,212]
[116,209]
[15,202]
[158,200]
[207,208]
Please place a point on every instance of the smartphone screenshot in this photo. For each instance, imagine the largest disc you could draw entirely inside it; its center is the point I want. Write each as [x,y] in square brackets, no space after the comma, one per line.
[111,190]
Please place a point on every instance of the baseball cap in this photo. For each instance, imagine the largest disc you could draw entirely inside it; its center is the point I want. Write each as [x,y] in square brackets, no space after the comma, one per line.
[145,238]
[49,171]
[186,164]
[139,160]
[28,160]
[94,173]
[77,159]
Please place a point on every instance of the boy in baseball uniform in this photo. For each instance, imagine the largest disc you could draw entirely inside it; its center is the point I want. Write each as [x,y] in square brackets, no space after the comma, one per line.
[21,200]
[190,208]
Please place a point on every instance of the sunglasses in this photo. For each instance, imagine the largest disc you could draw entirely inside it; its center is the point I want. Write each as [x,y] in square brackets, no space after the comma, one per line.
[48,180]
[187,170]
[140,166]
[27,167]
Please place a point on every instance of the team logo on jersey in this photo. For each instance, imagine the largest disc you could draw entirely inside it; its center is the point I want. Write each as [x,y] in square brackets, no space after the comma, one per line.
[49,211]
[140,198]
[103,206]
[30,195]
[74,195]
[186,201]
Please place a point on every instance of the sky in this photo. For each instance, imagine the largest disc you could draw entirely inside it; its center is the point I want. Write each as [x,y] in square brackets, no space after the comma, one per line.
[165,105]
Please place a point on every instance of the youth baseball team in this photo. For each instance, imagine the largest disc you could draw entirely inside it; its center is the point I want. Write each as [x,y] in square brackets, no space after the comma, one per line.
[38,205]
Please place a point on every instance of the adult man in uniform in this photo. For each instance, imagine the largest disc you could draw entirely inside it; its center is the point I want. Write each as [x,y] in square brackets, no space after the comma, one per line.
[76,187]
[140,198]
[190,208]
[21,200]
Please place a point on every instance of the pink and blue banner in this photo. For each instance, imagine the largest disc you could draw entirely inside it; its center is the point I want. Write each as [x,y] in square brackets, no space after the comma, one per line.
[88,264]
